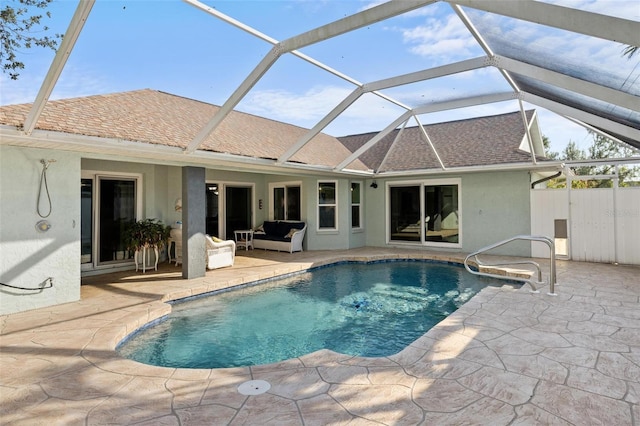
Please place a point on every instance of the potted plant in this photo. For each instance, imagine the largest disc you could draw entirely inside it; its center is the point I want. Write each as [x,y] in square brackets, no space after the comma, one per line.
[146,233]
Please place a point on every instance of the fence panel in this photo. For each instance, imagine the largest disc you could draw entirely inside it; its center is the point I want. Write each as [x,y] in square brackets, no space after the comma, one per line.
[604,224]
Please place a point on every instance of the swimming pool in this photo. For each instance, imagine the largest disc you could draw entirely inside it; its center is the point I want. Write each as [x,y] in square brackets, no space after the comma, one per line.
[373,310]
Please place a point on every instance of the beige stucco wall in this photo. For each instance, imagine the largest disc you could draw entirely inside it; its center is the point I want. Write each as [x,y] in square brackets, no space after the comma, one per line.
[494,206]
[28,257]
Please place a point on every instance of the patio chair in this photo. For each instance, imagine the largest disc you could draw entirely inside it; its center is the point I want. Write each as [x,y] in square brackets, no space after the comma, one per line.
[220,253]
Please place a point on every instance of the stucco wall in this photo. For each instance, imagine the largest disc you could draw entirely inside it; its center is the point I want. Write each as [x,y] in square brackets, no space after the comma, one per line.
[357,237]
[327,239]
[494,206]
[28,257]
[155,180]
[374,214]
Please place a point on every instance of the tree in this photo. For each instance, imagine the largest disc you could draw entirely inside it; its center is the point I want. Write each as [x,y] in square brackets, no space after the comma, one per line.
[603,147]
[547,149]
[600,148]
[21,27]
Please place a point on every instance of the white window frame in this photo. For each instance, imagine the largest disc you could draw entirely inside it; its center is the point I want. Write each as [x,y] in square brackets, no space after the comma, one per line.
[222,202]
[423,183]
[334,205]
[95,176]
[283,185]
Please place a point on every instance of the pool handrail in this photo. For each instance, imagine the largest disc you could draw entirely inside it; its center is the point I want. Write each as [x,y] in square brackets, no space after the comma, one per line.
[530,281]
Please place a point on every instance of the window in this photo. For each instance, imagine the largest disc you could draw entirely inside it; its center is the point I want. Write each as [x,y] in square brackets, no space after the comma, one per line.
[327,205]
[405,213]
[441,213]
[286,201]
[425,212]
[356,201]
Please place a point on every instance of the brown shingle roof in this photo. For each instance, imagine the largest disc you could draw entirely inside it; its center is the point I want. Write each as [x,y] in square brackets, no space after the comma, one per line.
[156,117]
[472,142]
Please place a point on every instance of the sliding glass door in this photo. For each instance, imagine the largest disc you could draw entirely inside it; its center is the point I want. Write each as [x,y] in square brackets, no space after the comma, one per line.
[213,210]
[117,204]
[425,212]
[108,205]
[238,211]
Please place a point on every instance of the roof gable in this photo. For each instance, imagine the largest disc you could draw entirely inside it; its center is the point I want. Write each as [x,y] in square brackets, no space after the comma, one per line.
[464,143]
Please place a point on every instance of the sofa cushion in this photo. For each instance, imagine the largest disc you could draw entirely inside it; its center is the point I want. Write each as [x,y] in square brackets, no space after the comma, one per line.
[270,228]
[271,237]
[291,232]
[282,229]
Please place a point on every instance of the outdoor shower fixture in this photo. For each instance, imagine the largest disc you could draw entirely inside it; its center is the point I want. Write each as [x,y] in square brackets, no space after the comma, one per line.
[44,225]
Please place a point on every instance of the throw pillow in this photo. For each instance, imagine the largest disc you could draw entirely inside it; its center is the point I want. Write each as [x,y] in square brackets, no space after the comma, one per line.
[259,229]
[291,232]
[216,240]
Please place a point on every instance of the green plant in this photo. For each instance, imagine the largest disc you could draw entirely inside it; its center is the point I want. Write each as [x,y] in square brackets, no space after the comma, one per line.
[146,233]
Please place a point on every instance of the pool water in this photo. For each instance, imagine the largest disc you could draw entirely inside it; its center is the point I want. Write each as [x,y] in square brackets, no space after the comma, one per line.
[371,310]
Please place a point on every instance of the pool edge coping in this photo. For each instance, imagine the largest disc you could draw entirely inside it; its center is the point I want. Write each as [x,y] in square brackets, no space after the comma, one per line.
[158,309]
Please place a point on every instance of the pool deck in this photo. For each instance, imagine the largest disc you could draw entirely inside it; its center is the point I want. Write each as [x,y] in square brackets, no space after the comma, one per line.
[507,357]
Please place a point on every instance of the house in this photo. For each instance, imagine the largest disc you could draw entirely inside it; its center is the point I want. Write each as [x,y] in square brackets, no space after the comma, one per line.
[95,162]
[452,186]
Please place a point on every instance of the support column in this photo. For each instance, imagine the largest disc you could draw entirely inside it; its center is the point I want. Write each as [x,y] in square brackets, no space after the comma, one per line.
[193,222]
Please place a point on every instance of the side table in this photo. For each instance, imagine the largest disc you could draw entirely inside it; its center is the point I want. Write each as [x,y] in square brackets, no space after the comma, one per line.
[244,238]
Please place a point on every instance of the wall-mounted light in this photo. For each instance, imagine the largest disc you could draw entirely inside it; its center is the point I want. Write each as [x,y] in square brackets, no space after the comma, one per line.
[373,185]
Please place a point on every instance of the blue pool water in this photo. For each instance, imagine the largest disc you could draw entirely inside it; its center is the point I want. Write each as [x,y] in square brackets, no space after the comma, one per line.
[372,310]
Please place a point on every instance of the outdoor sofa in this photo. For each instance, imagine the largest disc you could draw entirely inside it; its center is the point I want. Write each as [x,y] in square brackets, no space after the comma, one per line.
[280,235]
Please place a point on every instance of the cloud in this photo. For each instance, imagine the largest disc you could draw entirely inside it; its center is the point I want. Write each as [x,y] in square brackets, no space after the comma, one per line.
[369,113]
[73,82]
[627,9]
[294,107]
[17,92]
[561,131]
[439,38]
[79,81]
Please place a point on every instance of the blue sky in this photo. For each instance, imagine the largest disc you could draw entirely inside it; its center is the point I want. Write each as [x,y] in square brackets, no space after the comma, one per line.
[171,46]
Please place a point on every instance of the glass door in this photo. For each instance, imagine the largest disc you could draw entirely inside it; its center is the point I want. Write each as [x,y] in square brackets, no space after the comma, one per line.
[238,211]
[212,215]
[86,222]
[117,209]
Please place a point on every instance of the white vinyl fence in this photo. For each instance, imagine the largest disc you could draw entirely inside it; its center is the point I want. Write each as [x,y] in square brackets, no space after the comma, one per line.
[602,225]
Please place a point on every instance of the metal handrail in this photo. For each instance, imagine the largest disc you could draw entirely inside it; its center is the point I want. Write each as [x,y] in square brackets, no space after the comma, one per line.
[552,263]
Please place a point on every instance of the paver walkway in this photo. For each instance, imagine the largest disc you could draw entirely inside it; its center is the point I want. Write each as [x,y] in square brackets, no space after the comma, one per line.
[507,357]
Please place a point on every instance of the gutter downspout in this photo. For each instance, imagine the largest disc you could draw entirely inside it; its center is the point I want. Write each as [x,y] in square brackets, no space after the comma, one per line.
[533,184]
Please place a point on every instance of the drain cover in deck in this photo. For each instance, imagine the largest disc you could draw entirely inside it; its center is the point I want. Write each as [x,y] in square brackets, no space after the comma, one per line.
[254,387]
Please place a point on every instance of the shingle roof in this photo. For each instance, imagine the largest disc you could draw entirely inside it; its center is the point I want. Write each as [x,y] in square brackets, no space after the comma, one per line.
[155,117]
[463,143]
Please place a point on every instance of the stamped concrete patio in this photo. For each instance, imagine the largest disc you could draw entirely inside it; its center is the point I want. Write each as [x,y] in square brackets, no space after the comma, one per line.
[507,357]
